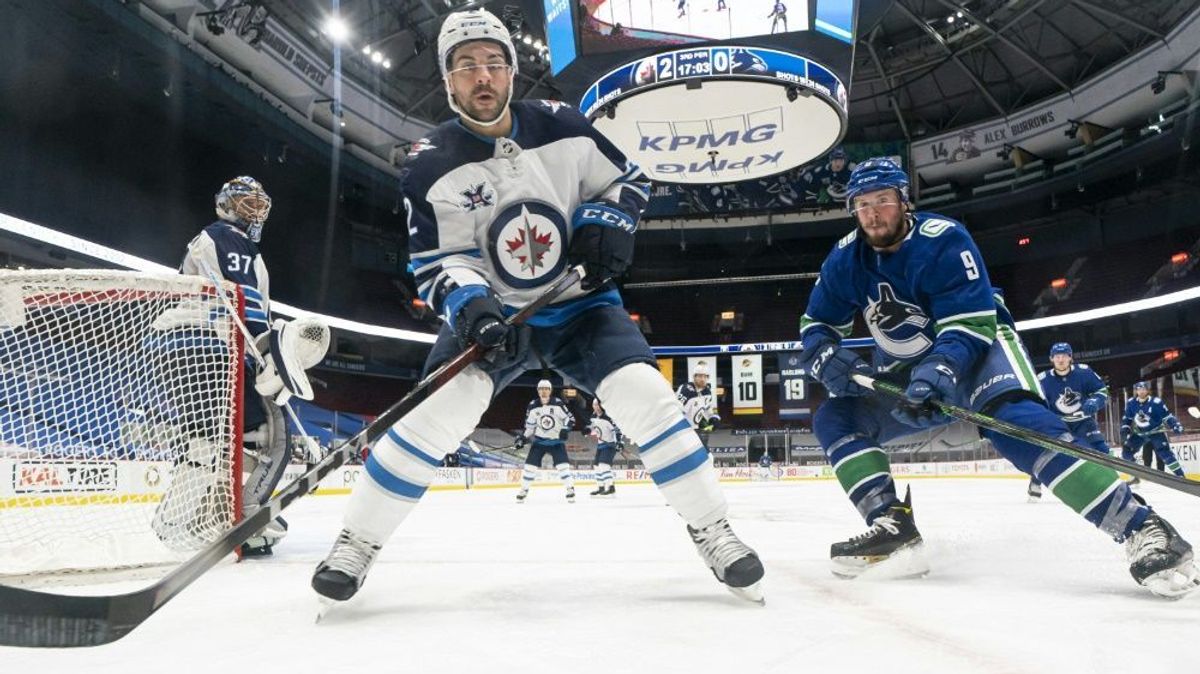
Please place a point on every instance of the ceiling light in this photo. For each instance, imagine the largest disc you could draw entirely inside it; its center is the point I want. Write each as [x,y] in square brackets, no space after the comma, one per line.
[537,44]
[336,29]
[367,50]
[950,19]
[527,40]
[958,14]
[387,64]
[377,57]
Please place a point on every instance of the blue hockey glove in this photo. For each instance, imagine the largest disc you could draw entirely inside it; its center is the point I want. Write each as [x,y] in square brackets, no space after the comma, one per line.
[1090,407]
[833,366]
[1177,429]
[932,379]
[602,241]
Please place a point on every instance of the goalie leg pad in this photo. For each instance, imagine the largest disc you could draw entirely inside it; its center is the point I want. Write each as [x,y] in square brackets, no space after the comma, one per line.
[642,404]
[404,461]
[190,500]
[270,459]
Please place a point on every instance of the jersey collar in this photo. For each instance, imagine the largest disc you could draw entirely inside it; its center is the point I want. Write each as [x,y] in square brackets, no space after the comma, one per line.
[512,134]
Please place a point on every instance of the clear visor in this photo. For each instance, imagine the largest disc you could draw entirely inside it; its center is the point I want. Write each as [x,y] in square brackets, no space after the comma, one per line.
[493,70]
[877,201]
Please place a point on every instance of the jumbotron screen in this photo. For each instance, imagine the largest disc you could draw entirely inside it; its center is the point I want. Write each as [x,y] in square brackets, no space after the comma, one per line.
[608,26]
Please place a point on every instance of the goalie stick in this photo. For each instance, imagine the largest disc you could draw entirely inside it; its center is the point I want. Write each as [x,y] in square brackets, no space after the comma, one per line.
[1044,441]
[45,619]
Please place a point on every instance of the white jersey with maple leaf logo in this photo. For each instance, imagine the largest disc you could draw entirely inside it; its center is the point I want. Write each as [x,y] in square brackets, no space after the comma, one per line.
[497,212]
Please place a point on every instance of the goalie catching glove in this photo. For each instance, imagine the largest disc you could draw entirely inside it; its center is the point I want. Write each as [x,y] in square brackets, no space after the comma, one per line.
[291,348]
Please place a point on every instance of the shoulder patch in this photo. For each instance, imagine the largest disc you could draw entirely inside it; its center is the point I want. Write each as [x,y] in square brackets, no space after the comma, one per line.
[1042,375]
[1081,366]
[848,239]
[554,106]
[1157,399]
[935,227]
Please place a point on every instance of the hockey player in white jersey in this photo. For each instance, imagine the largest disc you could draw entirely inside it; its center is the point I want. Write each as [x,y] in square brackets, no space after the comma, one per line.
[498,202]
[608,442]
[228,249]
[699,405]
[547,422]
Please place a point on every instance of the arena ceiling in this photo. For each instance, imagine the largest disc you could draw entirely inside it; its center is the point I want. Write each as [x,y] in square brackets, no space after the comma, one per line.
[920,66]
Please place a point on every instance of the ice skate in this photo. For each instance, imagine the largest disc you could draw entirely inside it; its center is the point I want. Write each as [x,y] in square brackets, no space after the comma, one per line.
[345,569]
[612,490]
[1160,559]
[261,544]
[891,548]
[600,491]
[731,561]
[571,495]
[1034,491]
[522,494]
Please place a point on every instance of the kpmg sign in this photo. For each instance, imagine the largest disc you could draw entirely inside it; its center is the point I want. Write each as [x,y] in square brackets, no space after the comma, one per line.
[719,114]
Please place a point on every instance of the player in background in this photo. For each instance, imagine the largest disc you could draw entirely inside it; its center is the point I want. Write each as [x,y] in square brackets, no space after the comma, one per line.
[1076,393]
[682,7]
[778,15]
[764,466]
[498,202]
[699,405]
[229,247]
[827,182]
[547,423]
[1145,423]
[609,441]
[941,331]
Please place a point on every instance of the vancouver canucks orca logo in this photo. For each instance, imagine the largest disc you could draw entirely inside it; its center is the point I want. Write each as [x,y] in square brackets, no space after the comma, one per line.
[898,327]
[1068,401]
[1141,420]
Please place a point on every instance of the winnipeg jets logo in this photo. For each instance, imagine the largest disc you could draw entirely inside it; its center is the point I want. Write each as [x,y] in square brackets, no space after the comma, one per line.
[529,246]
[1068,401]
[546,422]
[897,326]
[526,242]
[419,147]
[477,196]
[554,106]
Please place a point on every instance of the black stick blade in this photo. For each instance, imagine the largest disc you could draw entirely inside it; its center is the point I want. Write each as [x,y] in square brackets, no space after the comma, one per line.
[39,619]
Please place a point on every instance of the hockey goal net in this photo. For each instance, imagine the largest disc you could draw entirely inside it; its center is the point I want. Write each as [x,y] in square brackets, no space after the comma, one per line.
[120,418]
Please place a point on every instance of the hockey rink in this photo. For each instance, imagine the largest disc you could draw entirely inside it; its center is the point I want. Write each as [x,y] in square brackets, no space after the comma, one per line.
[474,582]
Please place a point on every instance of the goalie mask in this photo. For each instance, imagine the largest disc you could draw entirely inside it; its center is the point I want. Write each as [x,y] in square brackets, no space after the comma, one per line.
[243,202]
[460,28]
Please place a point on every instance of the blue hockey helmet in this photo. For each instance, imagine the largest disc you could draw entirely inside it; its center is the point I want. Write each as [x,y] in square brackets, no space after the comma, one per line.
[876,173]
[837,153]
[1142,385]
[1061,347]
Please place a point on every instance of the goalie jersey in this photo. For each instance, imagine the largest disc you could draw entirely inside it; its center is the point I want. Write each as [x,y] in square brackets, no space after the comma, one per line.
[915,301]
[548,423]
[229,252]
[496,213]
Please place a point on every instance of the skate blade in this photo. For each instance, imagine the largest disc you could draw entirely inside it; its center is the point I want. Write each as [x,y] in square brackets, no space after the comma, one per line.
[325,605]
[906,562]
[1173,583]
[1034,499]
[752,593]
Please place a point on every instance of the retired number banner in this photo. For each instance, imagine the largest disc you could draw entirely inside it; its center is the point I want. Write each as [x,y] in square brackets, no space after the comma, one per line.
[793,389]
[747,384]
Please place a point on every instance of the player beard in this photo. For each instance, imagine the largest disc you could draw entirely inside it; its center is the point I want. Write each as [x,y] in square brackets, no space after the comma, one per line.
[489,108]
[881,235]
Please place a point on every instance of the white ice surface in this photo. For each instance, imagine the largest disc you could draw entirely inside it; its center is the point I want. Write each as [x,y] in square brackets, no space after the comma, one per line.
[473,582]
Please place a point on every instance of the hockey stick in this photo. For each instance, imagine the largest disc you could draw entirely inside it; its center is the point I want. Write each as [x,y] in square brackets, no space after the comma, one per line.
[1044,441]
[44,619]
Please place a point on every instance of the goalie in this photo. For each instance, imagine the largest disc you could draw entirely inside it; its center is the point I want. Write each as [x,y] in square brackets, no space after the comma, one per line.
[288,349]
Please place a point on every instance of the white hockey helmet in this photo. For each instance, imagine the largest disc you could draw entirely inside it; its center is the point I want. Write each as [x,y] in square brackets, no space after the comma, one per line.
[701,368]
[469,26]
[545,384]
[243,202]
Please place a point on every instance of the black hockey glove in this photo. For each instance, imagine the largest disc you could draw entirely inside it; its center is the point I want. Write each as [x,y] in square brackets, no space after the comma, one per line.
[602,242]
[520,442]
[481,321]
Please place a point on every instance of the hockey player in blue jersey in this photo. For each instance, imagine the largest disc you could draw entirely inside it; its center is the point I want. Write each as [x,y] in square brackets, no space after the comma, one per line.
[699,405]
[941,331]
[228,248]
[547,423]
[499,201]
[1076,393]
[608,442]
[1146,422]
[764,466]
